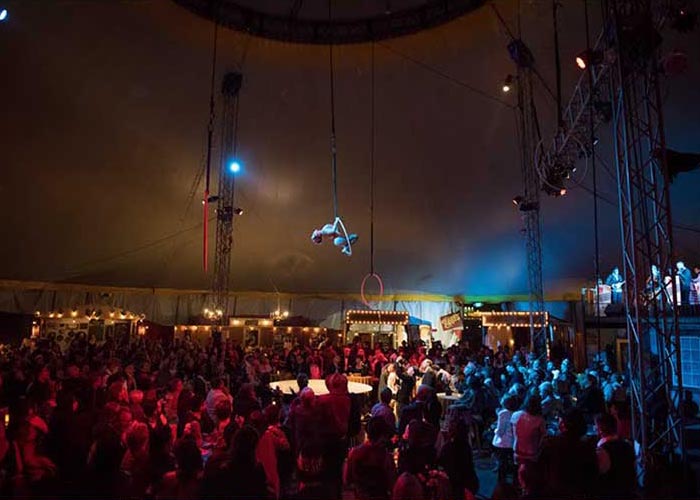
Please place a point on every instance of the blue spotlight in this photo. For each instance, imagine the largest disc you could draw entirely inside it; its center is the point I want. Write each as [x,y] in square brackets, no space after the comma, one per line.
[234,167]
[3,14]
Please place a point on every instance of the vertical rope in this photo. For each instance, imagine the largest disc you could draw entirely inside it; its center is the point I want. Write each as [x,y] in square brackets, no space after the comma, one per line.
[371,171]
[334,163]
[591,139]
[557,59]
[210,135]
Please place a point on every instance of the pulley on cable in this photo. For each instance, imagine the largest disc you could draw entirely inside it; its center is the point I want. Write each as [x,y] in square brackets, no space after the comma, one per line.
[371,273]
[336,230]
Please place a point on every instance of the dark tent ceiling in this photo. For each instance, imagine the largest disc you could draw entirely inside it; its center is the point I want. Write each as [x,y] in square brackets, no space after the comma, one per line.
[104,128]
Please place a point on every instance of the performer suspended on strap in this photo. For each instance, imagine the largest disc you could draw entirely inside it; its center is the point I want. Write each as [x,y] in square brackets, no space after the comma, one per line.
[337,233]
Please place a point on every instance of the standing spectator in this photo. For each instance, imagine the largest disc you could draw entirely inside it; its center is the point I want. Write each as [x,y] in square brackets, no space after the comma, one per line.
[184,483]
[689,408]
[528,431]
[568,463]
[616,461]
[245,472]
[457,460]
[422,409]
[591,400]
[503,436]
[335,406]
[383,409]
[370,467]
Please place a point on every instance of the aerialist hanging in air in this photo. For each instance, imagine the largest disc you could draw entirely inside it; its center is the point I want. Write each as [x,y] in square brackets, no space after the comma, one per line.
[335,231]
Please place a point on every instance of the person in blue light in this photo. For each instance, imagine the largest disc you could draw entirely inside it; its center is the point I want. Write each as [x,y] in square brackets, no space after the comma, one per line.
[615,282]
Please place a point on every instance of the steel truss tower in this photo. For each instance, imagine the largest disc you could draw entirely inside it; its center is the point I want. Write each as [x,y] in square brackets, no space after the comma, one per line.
[645,217]
[626,83]
[530,205]
[225,210]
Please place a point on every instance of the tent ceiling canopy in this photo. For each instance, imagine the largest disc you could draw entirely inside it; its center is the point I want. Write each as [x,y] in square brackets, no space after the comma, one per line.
[349,21]
[104,132]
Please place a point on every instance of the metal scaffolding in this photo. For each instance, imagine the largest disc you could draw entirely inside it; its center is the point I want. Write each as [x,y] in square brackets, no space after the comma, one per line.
[225,211]
[528,131]
[647,237]
[624,85]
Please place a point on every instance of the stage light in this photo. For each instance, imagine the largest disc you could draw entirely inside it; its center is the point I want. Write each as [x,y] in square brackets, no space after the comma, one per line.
[588,58]
[238,211]
[3,15]
[234,167]
[677,162]
[562,192]
[212,199]
[517,200]
[684,20]
[478,304]
[508,83]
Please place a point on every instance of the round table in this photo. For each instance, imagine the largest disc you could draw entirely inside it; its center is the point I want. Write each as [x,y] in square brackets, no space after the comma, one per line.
[318,386]
[455,396]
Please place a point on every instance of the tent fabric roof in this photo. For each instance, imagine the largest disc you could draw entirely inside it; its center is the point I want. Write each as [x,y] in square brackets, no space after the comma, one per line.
[104,132]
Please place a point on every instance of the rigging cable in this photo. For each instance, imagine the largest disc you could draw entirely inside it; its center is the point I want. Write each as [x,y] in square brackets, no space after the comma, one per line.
[591,141]
[334,163]
[557,60]
[371,273]
[210,134]
[371,170]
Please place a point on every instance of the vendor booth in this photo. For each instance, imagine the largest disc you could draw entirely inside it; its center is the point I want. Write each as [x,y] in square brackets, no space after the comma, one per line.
[511,328]
[376,327]
[255,331]
[102,322]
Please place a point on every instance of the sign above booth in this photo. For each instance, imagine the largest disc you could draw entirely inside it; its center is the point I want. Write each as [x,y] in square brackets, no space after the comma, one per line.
[377,317]
[514,319]
[451,321]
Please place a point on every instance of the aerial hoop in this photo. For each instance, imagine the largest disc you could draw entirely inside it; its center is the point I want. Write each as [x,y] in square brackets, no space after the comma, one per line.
[364,283]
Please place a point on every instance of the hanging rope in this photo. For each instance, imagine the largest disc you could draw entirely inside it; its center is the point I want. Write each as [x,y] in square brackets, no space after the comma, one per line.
[210,135]
[557,60]
[591,140]
[334,163]
[371,170]
[371,273]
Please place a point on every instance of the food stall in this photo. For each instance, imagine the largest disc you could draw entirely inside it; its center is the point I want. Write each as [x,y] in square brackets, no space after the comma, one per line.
[254,331]
[376,327]
[102,322]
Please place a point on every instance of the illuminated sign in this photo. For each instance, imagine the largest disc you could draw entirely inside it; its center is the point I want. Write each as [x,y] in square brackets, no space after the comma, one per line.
[450,321]
[377,317]
[515,319]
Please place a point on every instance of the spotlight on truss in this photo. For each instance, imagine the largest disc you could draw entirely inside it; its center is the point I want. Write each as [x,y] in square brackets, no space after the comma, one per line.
[684,20]
[589,58]
[508,83]
[525,206]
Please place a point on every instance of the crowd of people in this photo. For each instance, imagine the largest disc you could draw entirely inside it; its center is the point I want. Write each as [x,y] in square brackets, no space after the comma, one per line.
[139,418]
